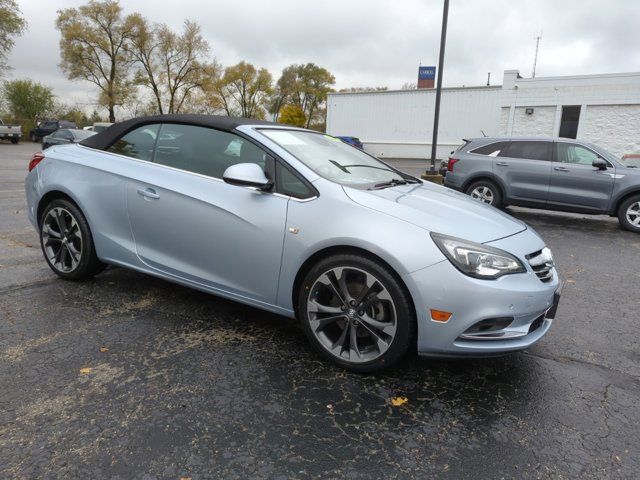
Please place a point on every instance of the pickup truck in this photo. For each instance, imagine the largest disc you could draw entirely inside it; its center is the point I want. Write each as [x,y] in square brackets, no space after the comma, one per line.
[10,132]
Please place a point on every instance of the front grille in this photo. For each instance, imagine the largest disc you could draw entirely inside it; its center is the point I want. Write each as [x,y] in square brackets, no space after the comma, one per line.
[542,264]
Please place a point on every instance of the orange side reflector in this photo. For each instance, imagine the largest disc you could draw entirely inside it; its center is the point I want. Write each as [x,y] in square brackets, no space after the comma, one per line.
[440,315]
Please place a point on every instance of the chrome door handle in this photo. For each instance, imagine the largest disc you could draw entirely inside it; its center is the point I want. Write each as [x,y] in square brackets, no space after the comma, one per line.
[502,164]
[561,169]
[148,193]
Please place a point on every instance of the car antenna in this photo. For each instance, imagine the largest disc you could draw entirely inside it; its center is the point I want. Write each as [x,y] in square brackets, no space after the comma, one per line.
[483,134]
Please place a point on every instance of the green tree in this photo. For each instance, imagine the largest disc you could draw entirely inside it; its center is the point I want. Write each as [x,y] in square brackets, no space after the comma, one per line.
[28,100]
[95,118]
[92,48]
[12,24]
[245,90]
[292,115]
[307,86]
[284,88]
[173,66]
[72,113]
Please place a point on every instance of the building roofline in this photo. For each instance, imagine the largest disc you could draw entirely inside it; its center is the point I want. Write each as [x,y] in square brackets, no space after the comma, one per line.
[577,77]
[473,87]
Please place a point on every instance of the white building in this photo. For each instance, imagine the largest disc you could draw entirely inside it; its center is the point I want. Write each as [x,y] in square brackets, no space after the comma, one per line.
[603,109]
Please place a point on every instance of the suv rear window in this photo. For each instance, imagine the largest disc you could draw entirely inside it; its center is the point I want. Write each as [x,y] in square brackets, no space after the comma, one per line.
[529,150]
[492,149]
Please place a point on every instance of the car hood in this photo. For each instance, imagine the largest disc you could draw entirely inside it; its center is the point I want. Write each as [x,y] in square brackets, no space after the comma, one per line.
[441,210]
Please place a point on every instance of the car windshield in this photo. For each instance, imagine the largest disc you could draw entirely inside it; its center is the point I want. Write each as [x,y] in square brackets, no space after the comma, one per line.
[82,134]
[334,160]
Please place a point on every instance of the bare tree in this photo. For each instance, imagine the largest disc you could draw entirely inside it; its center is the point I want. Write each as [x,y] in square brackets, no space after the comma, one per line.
[173,66]
[244,90]
[93,49]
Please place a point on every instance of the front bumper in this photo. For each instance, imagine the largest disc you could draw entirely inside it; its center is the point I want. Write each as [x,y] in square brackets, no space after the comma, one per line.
[522,298]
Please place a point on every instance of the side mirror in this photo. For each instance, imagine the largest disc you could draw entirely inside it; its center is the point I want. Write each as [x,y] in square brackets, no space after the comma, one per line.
[600,164]
[247,175]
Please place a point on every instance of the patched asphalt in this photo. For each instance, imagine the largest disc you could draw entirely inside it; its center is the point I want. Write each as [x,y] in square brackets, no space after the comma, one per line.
[127,376]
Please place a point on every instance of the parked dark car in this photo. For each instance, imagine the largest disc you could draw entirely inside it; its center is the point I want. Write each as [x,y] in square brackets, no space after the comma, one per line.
[65,135]
[47,127]
[551,173]
[354,141]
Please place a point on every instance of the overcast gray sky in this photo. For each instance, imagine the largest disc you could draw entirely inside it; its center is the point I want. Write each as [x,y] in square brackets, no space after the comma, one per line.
[372,42]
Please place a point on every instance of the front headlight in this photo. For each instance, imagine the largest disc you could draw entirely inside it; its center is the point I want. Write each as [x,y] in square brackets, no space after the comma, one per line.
[477,260]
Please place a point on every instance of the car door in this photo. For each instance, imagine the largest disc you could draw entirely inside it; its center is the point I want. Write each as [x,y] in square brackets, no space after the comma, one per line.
[525,168]
[188,223]
[575,182]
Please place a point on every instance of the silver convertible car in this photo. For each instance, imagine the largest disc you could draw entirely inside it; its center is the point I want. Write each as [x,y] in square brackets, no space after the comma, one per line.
[373,262]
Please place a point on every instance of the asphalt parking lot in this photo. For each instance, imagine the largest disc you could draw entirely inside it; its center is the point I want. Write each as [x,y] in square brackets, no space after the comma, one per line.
[127,376]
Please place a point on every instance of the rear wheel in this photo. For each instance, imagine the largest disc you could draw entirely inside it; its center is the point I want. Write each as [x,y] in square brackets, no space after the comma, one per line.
[66,241]
[356,313]
[485,191]
[34,138]
[629,214]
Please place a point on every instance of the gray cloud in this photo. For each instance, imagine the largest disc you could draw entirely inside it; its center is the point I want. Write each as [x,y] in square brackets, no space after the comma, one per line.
[373,43]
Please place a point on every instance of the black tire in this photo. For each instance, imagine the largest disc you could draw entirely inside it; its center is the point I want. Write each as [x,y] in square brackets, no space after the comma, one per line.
[15,140]
[492,187]
[633,203]
[87,264]
[403,319]
[33,137]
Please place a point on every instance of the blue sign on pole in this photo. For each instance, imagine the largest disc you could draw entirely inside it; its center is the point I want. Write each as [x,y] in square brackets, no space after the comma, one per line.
[426,73]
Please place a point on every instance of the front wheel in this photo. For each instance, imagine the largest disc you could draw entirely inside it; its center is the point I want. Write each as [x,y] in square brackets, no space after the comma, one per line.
[629,214]
[14,140]
[66,241]
[485,191]
[356,313]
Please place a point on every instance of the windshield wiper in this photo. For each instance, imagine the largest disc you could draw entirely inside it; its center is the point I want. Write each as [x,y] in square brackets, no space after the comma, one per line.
[391,183]
[345,168]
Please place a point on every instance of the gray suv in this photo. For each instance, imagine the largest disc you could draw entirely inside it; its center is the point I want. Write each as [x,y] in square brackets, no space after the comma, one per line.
[551,173]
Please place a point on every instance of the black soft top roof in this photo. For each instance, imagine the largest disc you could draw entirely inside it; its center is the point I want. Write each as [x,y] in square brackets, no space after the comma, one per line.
[105,138]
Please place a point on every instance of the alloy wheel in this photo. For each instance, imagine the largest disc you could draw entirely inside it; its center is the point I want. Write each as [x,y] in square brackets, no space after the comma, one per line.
[633,214]
[61,239]
[483,194]
[352,314]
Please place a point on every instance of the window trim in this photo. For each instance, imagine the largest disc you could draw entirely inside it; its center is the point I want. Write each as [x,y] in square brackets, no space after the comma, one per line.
[276,190]
[473,152]
[280,188]
[284,163]
[550,142]
[574,142]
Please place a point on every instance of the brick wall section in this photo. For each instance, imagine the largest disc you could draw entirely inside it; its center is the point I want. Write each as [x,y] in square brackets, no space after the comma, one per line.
[614,127]
[541,122]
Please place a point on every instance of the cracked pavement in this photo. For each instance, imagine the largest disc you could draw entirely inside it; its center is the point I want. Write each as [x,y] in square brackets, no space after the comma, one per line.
[179,383]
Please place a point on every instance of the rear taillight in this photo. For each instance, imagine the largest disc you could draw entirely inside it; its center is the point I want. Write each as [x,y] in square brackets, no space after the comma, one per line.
[35,160]
[451,163]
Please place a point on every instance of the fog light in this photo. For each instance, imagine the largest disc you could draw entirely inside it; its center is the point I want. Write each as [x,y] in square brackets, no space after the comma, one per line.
[440,315]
